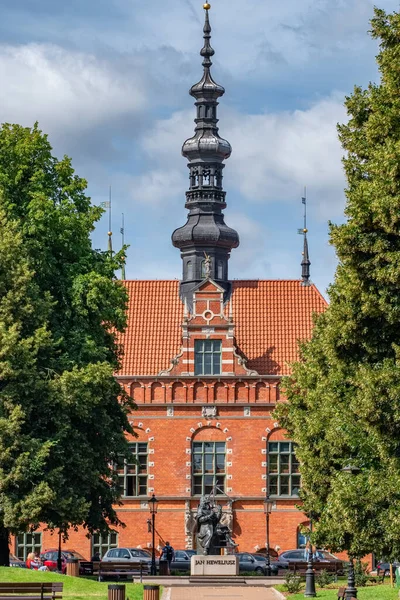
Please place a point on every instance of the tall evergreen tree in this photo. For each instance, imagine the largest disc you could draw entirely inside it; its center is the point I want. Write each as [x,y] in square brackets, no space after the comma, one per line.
[344,394]
[63,416]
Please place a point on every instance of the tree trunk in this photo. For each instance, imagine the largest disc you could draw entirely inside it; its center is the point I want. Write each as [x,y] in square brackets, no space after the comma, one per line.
[4,547]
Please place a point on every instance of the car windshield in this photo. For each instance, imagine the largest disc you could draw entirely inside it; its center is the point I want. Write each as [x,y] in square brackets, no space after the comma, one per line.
[259,557]
[72,554]
[326,555]
[141,552]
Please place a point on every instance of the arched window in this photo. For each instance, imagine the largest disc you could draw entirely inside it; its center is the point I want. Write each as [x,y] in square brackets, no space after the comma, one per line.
[189,267]
[220,269]
[203,269]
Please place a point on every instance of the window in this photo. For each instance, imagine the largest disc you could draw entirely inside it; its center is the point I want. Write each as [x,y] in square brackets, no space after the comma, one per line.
[189,267]
[220,269]
[102,543]
[283,469]
[203,269]
[133,473]
[301,539]
[207,357]
[208,465]
[26,543]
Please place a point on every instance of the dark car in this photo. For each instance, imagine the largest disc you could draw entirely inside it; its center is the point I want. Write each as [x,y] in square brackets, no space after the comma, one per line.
[16,562]
[383,566]
[248,562]
[294,556]
[181,560]
[49,559]
[262,558]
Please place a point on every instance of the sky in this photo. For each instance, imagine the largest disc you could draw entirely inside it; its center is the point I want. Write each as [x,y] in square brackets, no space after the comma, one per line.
[108,82]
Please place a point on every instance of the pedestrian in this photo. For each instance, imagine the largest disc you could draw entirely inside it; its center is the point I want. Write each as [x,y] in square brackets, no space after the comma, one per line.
[168,554]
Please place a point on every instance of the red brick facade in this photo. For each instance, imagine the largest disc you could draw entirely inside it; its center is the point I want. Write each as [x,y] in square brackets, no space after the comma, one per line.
[176,408]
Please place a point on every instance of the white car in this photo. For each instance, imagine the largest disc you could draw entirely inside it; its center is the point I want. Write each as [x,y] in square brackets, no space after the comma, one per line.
[127,555]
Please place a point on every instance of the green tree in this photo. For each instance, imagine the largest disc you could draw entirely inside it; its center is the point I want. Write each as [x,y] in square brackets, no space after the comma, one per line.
[63,416]
[344,393]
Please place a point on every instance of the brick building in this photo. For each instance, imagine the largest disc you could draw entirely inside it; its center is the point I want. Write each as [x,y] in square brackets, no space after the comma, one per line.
[203,360]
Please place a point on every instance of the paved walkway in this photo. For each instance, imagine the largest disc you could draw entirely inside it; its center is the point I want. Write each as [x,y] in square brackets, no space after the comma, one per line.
[220,593]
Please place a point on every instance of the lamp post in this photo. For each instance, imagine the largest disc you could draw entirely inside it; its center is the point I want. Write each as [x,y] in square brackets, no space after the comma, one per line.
[59,558]
[351,590]
[153,503]
[310,574]
[267,511]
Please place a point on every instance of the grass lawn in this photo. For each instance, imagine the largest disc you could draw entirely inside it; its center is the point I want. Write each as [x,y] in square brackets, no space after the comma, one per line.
[75,588]
[371,592]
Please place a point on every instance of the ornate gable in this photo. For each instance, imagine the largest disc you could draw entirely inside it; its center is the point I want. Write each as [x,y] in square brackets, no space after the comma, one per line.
[210,319]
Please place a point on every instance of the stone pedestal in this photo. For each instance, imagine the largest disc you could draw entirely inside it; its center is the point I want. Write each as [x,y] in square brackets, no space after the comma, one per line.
[214,565]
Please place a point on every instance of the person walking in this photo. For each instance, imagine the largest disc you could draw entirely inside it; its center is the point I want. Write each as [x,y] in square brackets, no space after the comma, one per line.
[168,554]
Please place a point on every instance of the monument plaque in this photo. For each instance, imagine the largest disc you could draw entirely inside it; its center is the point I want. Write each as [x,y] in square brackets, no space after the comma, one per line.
[214,565]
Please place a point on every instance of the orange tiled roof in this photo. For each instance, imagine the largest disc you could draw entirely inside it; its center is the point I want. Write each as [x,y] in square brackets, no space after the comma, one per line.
[270,317]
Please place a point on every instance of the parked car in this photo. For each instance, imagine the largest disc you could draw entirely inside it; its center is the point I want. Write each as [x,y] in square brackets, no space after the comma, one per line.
[299,555]
[16,562]
[49,559]
[127,555]
[384,566]
[181,560]
[248,562]
[262,558]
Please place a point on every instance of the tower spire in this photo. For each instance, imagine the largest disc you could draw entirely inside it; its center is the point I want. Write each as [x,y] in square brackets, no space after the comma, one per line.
[205,232]
[123,277]
[109,225]
[305,263]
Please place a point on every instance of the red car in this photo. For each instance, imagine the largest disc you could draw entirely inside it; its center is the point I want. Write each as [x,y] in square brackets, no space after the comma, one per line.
[49,559]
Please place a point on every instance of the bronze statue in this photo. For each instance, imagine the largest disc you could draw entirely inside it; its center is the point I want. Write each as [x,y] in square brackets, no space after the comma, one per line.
[208,516]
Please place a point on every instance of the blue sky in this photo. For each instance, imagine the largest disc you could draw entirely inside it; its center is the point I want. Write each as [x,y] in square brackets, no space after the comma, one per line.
[108,81]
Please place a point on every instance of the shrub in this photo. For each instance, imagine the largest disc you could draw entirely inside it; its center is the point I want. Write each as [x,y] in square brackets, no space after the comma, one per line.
[323,578]
[361,573]
[292,583]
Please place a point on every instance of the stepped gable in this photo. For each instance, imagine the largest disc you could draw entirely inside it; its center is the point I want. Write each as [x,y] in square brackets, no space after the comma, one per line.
[270,317]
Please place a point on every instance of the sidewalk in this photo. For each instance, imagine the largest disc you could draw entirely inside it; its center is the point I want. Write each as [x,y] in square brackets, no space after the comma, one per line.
[220,593]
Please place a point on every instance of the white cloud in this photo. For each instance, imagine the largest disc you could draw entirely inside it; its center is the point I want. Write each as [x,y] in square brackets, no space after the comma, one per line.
[275,155]
[66,91]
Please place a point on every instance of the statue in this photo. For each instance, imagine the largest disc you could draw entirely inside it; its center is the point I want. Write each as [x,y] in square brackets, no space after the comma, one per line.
[207,265]
[208,516]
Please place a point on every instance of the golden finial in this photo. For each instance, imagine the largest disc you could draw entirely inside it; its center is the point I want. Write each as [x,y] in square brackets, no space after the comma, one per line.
[206,6]
[305,230]
[110,233]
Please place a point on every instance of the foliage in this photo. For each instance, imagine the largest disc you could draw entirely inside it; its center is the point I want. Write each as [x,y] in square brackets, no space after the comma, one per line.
[323,578]
[63,417]
[292,583]
[344,394]
[361,570]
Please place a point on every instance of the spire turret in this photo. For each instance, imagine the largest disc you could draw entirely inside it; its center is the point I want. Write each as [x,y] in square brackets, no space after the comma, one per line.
[205,233]
[305,263]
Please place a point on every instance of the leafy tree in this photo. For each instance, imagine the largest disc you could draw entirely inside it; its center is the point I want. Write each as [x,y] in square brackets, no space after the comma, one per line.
[344,394]
[63,416]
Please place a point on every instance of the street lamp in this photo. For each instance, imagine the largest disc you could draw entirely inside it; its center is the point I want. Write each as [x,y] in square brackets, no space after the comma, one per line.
[59,557]
[267,511]
[153,503]
[351,590]
[310,592]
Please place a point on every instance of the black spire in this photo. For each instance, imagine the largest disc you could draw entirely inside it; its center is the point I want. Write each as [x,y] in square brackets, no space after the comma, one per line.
[205,240]
[305,263]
